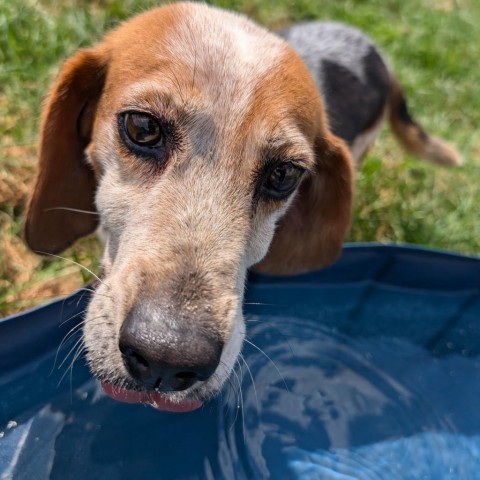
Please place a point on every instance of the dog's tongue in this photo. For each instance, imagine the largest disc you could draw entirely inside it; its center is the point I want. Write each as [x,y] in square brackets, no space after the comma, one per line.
[154,399]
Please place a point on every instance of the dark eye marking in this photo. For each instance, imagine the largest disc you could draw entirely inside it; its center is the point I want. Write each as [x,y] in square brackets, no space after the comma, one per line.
[145,135]
[280,180]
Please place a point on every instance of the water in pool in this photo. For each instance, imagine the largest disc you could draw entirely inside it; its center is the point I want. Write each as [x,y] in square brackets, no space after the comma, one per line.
[369,370]
[316,401]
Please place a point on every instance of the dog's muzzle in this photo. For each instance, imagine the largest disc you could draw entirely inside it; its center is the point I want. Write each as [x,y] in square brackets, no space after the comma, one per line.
[163,354]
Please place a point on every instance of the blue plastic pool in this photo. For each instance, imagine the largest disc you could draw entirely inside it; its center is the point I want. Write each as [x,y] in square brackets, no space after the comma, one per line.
[367,370]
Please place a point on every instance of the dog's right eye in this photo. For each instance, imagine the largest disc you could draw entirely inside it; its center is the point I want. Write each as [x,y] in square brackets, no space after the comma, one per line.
[143,130]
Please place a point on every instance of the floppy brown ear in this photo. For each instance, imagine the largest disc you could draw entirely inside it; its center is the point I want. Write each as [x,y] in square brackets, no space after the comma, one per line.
[63,179]
[311,233]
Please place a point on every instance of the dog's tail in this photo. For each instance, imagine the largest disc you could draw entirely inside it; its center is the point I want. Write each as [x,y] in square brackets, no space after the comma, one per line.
[413,137]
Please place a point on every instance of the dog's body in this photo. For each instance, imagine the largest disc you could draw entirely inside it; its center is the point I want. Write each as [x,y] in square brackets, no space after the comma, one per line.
[360,91]
[208,151]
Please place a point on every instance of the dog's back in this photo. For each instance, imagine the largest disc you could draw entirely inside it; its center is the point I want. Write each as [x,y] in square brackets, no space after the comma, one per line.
[360,91]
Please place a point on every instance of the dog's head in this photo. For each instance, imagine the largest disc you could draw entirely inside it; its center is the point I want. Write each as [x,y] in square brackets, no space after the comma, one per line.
[202,143]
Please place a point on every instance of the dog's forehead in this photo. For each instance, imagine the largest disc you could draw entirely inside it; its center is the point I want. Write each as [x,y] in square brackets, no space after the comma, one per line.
[194,49]
[195,35]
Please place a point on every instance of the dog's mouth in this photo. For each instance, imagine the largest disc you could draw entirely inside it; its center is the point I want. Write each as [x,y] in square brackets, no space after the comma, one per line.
[152,398]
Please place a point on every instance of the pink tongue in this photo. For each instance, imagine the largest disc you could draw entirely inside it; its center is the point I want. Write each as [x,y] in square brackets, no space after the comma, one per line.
[154,399]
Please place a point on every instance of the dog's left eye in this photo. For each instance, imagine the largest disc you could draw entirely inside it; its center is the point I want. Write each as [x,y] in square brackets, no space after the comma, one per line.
[282,180]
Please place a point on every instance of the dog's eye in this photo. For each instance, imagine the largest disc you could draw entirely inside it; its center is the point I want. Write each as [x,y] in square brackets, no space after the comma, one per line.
[282,180]
[143,130]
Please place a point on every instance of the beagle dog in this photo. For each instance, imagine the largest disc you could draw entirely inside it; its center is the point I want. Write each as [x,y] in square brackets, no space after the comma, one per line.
[198,144]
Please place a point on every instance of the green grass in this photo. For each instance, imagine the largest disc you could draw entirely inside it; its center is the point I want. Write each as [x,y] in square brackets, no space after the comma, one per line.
[433,46]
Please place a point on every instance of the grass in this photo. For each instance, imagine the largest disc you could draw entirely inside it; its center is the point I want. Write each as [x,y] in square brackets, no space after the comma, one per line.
[433,46]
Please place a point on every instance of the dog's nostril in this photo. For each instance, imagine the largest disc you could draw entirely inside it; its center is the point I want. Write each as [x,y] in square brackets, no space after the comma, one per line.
[140,362]
[135,362]
[184,380]
[185,375]
[176,382]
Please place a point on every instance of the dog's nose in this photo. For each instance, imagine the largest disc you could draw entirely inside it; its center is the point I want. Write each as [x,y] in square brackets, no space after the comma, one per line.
[166,355]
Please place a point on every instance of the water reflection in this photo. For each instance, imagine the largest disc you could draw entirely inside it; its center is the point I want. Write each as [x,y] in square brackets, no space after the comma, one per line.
[355,405]
[321,404]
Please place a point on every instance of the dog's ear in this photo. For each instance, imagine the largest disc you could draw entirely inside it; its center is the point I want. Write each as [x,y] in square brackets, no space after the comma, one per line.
[64,180]
[310,235]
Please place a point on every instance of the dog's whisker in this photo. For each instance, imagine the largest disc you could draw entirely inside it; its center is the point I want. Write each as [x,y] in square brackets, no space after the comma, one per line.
[80,351]
[270,359]
[78,345]
[228,400]
[75,263]
[65,339]
[252,379]
[76,210]
[262,304]
[232,391]
[70,334]
[241,402]
[70,352]
[272,326]
[92,290]
[237,390]
[87,289]
[69,319]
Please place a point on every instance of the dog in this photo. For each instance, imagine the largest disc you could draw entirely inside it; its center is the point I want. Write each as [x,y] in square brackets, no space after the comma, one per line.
[199,146]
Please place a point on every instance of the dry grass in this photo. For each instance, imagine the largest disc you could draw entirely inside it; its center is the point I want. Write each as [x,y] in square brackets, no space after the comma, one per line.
[26,279]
